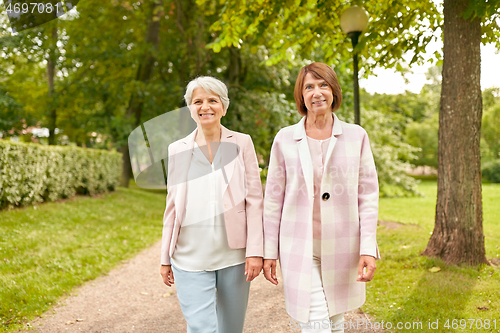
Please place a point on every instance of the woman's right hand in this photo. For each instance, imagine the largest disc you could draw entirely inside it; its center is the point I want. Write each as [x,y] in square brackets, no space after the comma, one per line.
[270,271]
[167,274]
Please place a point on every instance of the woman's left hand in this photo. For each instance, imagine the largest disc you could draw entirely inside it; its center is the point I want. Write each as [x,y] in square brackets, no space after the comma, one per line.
[253,266]
[369,263]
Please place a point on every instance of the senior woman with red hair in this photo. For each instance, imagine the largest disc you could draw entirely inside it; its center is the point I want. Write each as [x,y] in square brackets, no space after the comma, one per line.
[321,207]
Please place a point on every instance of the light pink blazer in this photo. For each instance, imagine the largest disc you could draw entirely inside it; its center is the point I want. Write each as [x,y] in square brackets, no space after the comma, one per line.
[348,216]
[242,195]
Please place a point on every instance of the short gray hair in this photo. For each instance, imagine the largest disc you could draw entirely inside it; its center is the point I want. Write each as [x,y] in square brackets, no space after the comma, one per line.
[211,85]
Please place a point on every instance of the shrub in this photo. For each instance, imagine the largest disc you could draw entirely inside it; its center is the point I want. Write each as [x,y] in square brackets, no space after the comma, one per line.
[392,155]
[31,173]
[491,171]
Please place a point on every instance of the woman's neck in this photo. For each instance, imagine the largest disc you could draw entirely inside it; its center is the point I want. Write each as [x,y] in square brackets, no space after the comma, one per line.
[319,126]
[205,139]
[207,135]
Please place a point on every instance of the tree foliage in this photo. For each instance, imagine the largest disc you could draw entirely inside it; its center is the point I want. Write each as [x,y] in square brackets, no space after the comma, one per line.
[491,131]
[293,27]
[424,135]
[393,156]
[260,47]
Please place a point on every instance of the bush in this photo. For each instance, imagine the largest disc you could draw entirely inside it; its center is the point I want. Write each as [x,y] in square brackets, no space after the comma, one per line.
[491,171]
[31,173]
[392,155]
[490,131]
[424,135]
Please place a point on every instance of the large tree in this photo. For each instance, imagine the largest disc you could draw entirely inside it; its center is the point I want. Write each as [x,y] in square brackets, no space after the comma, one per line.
[51,59]
[458,231]
[398,27]
[144,73]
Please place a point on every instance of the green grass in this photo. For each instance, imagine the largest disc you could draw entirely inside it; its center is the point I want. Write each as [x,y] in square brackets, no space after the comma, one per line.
[405,291]
[48,249]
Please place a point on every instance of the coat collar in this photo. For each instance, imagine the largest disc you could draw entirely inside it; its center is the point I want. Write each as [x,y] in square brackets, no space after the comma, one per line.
[299,135]
[226,166]
[300,130]
[226,136]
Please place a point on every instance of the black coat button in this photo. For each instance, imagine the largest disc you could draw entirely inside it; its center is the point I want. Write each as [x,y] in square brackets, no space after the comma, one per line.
[325,196]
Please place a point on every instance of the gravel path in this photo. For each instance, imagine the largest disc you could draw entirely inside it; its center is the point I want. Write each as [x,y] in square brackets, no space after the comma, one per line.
[133,298]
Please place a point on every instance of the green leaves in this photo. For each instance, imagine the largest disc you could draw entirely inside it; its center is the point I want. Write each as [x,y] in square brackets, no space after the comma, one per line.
[482,8]
[395,28]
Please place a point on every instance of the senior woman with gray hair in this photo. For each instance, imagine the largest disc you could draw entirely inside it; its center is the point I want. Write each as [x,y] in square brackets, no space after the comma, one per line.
[212,233]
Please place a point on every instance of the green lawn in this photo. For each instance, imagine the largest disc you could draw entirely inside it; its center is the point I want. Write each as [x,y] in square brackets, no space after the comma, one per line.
[405,291]
[48,249]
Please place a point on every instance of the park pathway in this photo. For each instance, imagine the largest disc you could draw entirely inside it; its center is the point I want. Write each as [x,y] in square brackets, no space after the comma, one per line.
[133,298]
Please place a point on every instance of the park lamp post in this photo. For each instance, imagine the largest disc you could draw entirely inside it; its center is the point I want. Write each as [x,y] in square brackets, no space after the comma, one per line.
[353,21]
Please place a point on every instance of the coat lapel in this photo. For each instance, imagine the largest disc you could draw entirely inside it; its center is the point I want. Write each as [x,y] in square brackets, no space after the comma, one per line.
[229,152]
[305,156]
[337,130]
[183,161]
[228,155]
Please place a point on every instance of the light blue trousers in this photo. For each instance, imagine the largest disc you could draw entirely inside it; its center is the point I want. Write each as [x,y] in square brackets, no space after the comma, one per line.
[213,302]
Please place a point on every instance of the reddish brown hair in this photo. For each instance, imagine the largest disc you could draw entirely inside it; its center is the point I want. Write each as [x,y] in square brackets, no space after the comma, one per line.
[319,71]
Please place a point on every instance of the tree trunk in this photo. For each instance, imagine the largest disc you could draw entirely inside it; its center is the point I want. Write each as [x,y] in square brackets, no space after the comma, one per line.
[144,72]
[458,231]
[234,66]
[51,68]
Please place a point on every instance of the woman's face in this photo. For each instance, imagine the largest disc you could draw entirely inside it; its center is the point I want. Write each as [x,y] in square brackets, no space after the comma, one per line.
[206,108]
[318,96]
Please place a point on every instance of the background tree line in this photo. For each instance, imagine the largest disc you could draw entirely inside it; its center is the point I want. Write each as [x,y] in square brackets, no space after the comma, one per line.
[120,63]
[94,75]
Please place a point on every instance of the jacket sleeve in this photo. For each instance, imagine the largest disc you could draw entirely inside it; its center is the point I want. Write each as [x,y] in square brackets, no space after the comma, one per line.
[253,201]
[169,215]
[274,199]
[368,195]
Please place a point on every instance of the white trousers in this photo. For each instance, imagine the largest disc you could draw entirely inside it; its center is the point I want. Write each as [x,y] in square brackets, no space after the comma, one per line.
[319,319]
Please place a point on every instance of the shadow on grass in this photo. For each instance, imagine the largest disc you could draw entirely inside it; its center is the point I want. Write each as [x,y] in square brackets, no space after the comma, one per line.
[132,185]
[404,291]
[436,298]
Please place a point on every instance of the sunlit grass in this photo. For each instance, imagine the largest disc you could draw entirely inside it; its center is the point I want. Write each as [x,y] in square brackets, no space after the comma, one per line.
[404,290]
[48,249]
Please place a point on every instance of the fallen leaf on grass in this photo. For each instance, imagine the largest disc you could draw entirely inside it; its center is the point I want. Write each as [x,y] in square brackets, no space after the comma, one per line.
[483,308]
[434,269]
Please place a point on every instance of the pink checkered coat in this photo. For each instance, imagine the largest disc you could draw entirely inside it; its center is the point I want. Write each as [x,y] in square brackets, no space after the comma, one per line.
[349,216]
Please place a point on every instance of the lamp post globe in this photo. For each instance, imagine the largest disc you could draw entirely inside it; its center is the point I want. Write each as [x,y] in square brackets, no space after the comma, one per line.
[353,21]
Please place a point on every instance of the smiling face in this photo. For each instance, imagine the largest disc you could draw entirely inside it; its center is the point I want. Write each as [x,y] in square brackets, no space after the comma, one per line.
[206,108]
[317,94]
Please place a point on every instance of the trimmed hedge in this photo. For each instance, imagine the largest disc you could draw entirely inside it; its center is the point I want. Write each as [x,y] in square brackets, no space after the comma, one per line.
[31,173]
[491,171]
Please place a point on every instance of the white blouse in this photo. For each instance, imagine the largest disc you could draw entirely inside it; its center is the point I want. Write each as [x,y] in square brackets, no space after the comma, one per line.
[202,242]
